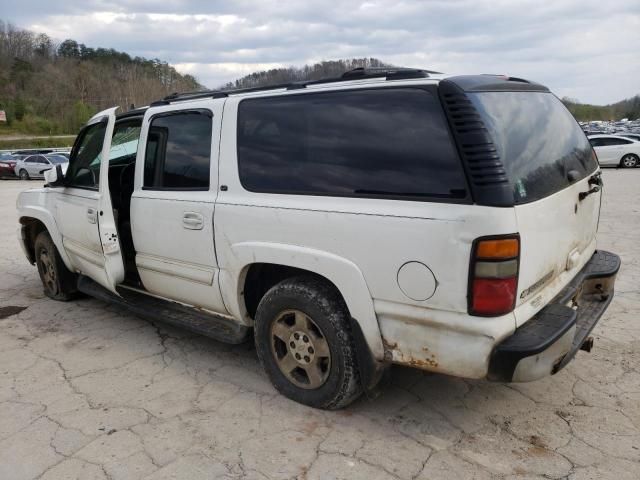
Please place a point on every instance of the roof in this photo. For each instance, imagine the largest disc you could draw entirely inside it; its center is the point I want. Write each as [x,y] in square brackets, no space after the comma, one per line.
[609,135]
[373,76]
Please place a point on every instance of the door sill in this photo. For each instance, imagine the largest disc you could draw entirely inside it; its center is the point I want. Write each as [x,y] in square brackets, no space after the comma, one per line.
[154,308]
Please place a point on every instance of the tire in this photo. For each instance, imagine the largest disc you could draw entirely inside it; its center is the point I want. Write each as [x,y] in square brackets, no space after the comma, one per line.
[313,319]
[629,161]
[23,174]
[59,283]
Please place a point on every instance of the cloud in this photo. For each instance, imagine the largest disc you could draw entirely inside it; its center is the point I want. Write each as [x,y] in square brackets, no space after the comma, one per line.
[585,49]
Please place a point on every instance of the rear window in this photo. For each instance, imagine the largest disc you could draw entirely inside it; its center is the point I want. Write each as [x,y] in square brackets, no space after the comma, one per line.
[391,143]
[537,139]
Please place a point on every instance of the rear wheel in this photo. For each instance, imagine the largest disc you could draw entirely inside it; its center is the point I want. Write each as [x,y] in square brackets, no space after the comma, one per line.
[629,161]
[23,174]
[304,343]
[59,283]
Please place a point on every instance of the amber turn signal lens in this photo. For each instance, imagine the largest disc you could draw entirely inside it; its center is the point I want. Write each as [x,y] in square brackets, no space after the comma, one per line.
[505,248]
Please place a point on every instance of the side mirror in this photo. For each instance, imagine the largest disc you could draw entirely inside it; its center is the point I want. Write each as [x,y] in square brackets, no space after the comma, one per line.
[54,177]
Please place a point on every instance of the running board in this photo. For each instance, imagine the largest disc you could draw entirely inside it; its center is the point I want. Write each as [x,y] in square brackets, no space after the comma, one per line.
[155,309]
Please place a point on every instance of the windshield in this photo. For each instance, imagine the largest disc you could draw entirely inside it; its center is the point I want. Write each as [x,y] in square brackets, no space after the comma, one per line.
[538,140]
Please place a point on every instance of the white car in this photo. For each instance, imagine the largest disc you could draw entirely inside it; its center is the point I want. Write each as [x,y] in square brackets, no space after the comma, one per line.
[385,216]
[616,150]
[34,166]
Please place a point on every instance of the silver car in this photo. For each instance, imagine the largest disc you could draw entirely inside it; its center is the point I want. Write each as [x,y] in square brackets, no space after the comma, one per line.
[34,166]
[616,150]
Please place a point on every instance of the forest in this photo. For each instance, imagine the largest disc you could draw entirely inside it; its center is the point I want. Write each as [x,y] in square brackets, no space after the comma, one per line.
[49,88]
[629,108]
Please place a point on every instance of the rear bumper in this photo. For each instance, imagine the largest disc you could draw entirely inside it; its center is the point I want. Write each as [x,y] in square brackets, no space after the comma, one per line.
[548,342]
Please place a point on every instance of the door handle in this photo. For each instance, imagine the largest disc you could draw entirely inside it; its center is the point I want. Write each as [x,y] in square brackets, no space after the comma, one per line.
[91,215]
[193,221]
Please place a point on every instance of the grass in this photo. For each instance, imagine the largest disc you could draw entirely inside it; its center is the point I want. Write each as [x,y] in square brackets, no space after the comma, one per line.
[36,143]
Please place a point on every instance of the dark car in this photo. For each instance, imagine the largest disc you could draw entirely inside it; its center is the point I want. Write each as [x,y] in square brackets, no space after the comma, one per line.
[7,165]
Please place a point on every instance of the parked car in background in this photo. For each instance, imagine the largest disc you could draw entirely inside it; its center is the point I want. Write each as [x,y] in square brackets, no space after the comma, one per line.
[7,165]
[33,151]
[616,150]
[34,166]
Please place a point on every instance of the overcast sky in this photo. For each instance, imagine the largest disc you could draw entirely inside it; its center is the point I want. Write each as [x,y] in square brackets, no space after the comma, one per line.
[586,49]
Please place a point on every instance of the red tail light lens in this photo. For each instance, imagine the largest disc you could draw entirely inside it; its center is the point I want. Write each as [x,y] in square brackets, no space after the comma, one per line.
[494,276]
[494,296]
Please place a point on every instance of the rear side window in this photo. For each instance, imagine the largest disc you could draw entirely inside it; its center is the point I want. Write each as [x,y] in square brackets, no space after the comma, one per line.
[371,143]
[178,151]
[610,142]
[538,140]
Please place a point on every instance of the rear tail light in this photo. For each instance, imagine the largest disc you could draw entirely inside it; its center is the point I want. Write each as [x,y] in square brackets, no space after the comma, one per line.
[493,275]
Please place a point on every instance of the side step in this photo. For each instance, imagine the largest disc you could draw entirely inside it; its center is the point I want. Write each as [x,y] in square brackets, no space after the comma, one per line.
[156,309]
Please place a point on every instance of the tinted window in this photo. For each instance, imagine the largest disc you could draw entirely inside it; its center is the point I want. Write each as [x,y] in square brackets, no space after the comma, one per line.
[178,151]
[385,142]
[595,142]
[84,166]
[538,140]
[610,142]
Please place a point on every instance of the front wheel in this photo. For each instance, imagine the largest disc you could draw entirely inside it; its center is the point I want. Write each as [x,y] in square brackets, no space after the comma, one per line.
[59,283]
[304,343]
[629,161]
[24,175]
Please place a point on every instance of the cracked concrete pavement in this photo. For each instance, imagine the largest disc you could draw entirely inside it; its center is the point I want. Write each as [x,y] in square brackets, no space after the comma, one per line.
[88,391]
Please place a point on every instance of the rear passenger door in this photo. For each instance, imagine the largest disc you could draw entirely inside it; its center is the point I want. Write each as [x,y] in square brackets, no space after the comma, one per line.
[612,151]
[173,204]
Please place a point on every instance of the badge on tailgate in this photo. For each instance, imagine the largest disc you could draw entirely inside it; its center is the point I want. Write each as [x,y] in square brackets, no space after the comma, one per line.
[537,285]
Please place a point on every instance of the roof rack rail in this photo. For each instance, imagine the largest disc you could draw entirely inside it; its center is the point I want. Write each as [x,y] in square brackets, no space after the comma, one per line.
[390,73]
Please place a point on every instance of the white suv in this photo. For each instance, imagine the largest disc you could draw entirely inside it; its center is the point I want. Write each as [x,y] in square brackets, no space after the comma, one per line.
[386,216]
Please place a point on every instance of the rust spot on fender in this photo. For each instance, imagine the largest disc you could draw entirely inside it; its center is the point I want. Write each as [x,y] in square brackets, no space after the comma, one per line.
[426,363]
[422,362]
[389,345]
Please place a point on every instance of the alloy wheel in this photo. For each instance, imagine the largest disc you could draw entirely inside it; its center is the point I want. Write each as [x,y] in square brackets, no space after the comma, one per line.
[48,272]
[300,349]
[629,161]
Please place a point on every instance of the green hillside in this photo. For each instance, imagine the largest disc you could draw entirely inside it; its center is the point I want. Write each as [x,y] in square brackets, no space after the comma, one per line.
[629,108]
[50,89]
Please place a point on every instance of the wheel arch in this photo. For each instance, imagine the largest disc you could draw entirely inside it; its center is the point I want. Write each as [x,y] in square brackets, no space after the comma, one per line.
[35,220]
[282,261]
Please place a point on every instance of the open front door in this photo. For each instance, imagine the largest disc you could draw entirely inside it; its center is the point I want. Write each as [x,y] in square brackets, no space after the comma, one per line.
[113,262]
[83,208]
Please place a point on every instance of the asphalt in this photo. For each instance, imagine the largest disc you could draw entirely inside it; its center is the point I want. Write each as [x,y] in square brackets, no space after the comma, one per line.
[88,391]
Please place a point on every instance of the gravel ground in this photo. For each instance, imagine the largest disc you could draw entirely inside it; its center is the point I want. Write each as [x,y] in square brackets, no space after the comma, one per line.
[89,391]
